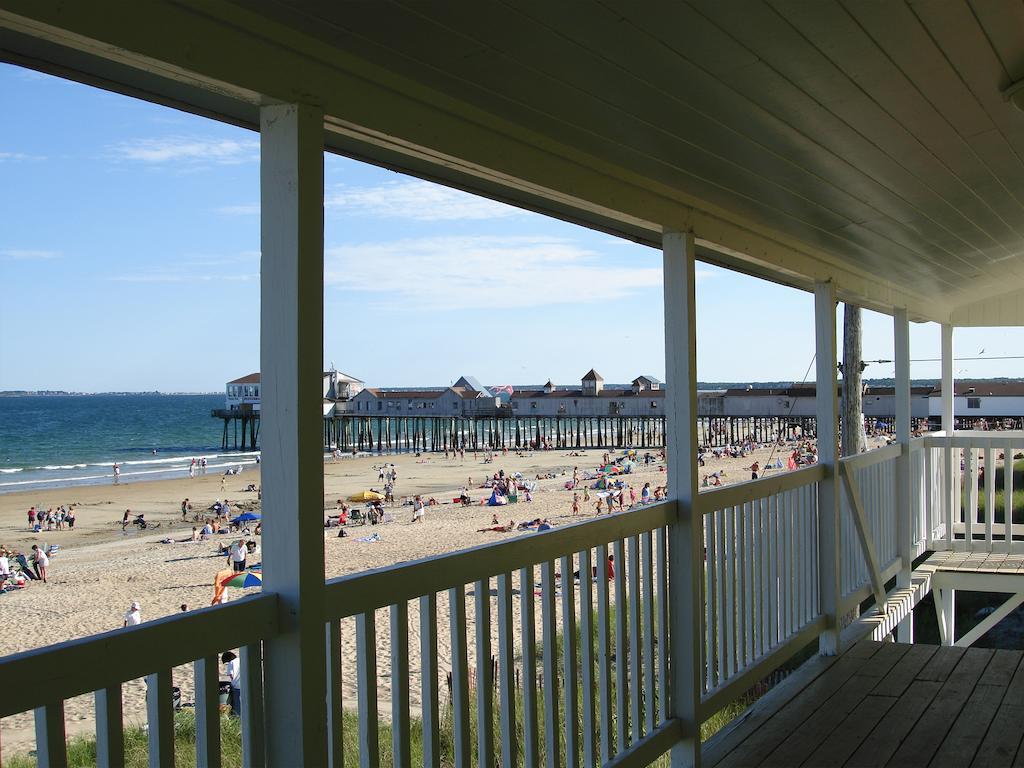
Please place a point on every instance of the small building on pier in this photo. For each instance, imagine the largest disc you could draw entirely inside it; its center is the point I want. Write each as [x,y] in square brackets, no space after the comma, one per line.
[643,397]
[973,400]
[243,394]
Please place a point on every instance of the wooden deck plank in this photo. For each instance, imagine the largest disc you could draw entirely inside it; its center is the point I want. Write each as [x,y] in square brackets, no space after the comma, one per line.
[1002,668]
[966,734]
[1015,694]
[921,744]
[733,734]
[840,745]
[886,737]
[760,742]
[802,742]
[899,678]
[886,704]
[884,660]
[942,664]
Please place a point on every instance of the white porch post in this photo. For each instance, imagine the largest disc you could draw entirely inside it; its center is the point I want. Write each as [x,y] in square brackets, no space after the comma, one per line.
[947,378]
[904,515]
[951,457]
[291,360]
[827,413]
[686,559]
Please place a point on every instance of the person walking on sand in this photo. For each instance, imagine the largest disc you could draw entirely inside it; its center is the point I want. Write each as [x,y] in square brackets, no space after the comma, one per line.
[417,510]
[124,520]
[575,504]
[134,615]
[753,470]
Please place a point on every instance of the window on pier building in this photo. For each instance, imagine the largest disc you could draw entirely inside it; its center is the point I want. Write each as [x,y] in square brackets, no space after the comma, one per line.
[974,402]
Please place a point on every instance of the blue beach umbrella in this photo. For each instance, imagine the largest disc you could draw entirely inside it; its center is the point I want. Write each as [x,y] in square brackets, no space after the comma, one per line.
[247,517]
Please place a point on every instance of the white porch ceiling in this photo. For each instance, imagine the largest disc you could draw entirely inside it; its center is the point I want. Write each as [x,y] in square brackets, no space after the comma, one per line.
[867,142]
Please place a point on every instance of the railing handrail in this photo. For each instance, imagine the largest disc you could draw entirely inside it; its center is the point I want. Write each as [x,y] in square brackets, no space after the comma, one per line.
[977,440]
[733,495]
[59,672]
[369,590]
[870,458]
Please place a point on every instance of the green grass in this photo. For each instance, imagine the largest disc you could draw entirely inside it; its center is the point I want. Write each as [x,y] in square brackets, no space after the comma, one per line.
[999,513]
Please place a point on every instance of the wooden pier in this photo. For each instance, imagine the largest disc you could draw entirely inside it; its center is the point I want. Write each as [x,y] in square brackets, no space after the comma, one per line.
[396,434]
[244,424]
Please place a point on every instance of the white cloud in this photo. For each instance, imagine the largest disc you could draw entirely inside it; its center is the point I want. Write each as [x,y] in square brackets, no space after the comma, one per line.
[242,267]
[188,149]
[18,156]
[483,273]
[20,253]
[416,200]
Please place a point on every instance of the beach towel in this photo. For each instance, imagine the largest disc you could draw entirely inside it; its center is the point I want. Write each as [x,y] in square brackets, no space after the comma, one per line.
[373,538]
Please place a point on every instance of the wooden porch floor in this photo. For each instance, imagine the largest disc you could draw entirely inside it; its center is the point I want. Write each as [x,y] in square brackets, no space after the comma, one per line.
[886,704]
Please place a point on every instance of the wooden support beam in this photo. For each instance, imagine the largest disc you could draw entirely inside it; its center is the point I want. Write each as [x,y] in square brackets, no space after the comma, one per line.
[826,422]
[291,354]
[686,548]
[864,533]
[991,620]
[906,522]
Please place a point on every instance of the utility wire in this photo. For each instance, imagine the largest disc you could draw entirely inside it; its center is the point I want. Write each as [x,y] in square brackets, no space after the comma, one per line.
[792,405]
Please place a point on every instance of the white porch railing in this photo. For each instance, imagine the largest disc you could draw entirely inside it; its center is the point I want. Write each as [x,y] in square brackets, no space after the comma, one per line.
[761,598]
[588,686]
[963,477]
[868,524]
[45,678]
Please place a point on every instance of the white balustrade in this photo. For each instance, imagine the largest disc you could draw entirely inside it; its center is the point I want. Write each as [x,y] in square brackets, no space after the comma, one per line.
[576,658]
[761,600]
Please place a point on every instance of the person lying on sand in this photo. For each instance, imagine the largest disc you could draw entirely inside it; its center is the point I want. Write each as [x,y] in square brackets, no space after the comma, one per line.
[499,528]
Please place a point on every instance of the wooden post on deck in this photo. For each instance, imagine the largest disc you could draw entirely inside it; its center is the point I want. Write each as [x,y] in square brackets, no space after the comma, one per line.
[685,534]
[904,523]
[291,351]
[827,412]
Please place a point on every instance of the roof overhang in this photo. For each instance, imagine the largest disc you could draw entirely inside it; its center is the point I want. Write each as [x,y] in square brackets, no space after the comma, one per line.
[743,130]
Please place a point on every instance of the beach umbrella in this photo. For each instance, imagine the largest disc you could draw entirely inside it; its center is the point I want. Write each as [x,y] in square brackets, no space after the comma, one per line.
[246,517]
[243,580]
[228,578]
[366,496]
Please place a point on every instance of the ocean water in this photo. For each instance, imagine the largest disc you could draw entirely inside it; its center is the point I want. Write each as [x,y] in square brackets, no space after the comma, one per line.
[59,441]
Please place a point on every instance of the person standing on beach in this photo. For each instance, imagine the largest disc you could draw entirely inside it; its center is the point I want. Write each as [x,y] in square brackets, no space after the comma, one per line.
[575,504]
[234,673]
[124,520]
[186,507]
[236,556]
[134,615]
[417,510]
[117,473]
[41,562]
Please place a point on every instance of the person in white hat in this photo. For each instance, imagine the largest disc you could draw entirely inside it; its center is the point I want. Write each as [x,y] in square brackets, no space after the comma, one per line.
[134,615]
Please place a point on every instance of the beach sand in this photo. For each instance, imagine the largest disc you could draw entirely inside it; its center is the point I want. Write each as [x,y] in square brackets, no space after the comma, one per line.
[99,570]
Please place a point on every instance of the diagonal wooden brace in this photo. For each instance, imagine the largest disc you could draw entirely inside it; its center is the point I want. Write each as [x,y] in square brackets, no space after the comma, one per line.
[867,543]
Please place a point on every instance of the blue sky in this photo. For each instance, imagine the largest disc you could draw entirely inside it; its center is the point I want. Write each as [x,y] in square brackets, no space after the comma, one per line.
[129,260]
